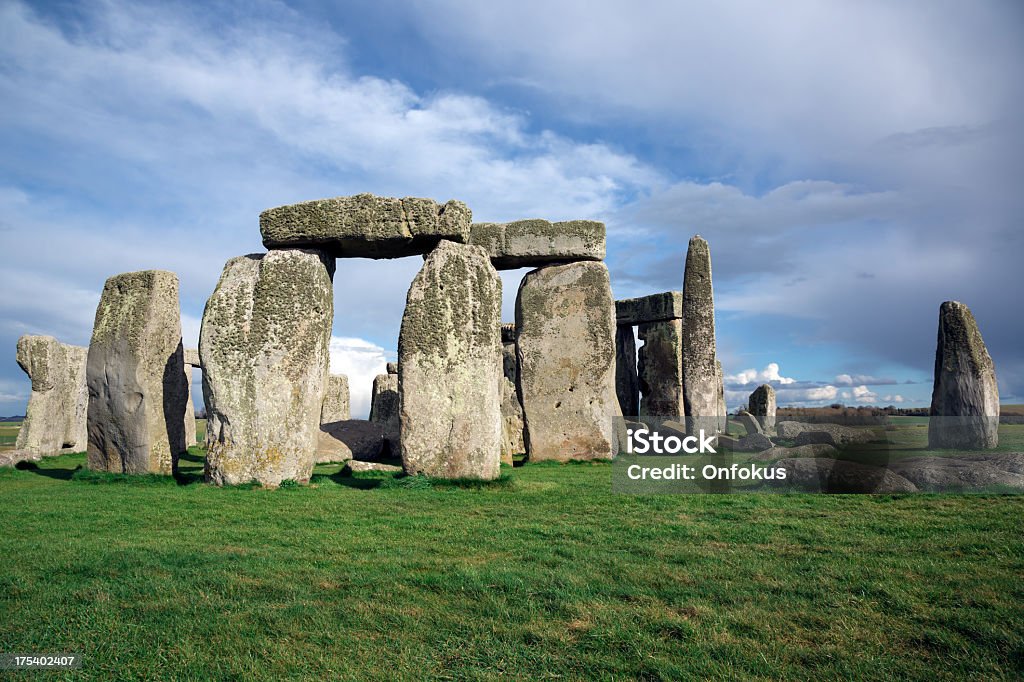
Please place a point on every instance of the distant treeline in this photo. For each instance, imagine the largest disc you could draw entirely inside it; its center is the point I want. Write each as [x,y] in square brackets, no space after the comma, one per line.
[839,413]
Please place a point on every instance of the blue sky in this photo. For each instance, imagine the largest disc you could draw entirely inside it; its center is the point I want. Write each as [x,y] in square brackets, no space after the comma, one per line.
[852,164]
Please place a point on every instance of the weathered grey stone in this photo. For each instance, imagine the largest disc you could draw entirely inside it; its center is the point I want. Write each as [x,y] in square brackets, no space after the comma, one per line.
[512,442]
[761,404]
[192,357]
[667,305]
[56,415]
[965,395]
[264,350]
[700,383]
[384,409]
[954,474]
[348,439]
[358,467]
[754,442]
[190,410]
[11,458]
[749,422]
[136,376]
[791,429]
[366,226]
[449,366]
[627,381]
[392,368]
[820,474]
[722,411]
[660,369]
[565,325]
[836,435]
[534,243]
[335,406]
[809,450]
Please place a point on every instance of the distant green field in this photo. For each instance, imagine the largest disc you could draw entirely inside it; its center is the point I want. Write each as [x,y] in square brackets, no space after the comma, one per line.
[544,574]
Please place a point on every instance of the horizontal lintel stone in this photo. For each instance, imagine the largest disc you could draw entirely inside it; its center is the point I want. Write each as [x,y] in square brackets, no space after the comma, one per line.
[536,242]
[667,305]
[366,226]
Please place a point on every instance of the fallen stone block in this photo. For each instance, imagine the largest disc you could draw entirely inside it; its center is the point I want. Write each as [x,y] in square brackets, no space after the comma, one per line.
[348,439]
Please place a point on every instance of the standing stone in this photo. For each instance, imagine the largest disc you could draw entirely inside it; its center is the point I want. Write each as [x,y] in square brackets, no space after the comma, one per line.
[384,409]
[191,363]
[335,407]
[565,325]
[512,442]
[449,366]
[660,369]
[264,351]
[723,411]
[56,415]
[965,396]
[627,381]
[392,368]
[762,405]
[700,383]
[190,410]
[136,375]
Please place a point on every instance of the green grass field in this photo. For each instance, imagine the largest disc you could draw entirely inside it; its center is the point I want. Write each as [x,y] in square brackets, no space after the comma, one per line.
[544,574]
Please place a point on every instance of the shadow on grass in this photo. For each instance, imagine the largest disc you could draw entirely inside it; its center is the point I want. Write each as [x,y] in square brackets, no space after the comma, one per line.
[388,481]
[60,474]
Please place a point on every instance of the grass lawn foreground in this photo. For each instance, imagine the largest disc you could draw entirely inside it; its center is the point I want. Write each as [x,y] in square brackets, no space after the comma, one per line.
[544,574]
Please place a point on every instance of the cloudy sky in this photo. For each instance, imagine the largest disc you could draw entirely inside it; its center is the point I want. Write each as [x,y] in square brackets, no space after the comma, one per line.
[852,164]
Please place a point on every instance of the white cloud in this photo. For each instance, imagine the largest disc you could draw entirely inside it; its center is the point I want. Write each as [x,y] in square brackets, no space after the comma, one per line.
[862,394]
[361,361]
[893,398]
[770,374]
[850,380]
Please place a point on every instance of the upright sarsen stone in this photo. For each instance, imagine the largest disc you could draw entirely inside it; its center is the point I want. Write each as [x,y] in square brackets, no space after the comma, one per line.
[512,442]
[761,404]
[965,396]
[627,381]
[565,326]
[136,376]
[700,382]
[56,415]
[660,369]
[384,408]
[335,406]
[264,350]
[449,366]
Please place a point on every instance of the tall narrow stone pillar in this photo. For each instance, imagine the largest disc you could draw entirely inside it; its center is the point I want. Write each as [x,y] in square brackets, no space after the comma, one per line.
[136,376]
[565,326]
[700,382]
[965,396]
[449,366]
[264,350]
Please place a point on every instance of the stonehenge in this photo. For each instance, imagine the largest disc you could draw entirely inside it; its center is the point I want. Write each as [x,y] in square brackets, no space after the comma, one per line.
[468,393]
[335,405]
[449,366]
[55,418]
[761,404]
[965,395]
[264,351]
[136,376]
[565,347]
